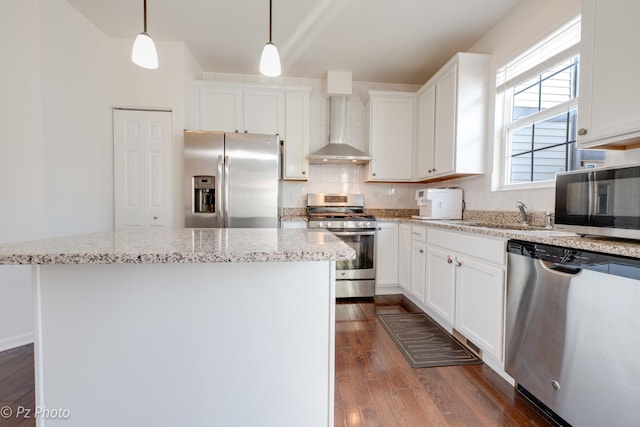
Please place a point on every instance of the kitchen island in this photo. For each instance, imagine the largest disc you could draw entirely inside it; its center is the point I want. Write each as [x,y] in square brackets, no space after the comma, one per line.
[193,327]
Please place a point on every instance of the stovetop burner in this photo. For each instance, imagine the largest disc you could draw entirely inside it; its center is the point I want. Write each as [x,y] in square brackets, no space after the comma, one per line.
[338,211]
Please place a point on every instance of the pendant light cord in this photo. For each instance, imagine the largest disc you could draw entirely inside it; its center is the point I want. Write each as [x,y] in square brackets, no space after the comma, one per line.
[269,19]
[145,15]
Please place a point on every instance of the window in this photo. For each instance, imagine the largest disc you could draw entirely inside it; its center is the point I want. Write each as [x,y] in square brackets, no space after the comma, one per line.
[538,94]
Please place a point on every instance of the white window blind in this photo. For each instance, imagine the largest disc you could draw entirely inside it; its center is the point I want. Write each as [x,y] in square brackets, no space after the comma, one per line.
[560,45]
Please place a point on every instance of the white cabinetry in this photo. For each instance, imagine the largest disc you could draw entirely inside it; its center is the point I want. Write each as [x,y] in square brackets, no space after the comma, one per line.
[293,224]
[386,256]
[418,261]
[391,135]
[452,115]
[466,286]
[404,257]
[609,111]
[441,284]
[295,149]
[231,108]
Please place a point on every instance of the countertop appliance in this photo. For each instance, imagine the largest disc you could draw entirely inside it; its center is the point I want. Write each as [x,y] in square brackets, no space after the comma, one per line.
[439,203]
[572,341]
[344,215]
[604,201]
[231,180]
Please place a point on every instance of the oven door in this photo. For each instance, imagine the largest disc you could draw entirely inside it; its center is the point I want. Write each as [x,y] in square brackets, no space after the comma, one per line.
[363,267]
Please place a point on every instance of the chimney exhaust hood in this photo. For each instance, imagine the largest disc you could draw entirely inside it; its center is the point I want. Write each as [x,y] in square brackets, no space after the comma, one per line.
[337,150]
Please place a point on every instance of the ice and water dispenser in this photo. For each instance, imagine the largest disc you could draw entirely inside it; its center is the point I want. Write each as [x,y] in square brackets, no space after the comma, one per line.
[204,194]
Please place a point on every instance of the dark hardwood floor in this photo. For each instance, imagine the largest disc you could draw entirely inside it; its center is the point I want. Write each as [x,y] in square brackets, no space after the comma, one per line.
[375,386]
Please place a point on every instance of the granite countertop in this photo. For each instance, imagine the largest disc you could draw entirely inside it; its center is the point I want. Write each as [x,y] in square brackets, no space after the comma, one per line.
[627,248]
[205,245]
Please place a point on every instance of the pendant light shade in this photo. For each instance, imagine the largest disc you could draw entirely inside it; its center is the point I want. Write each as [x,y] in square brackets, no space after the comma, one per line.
[144,52]
[270,59]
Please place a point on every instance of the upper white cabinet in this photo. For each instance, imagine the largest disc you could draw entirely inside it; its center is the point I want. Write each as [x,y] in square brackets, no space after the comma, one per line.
[391,135]
[295,148]
[233,108]
[609,111]
[452,115]
[230,107]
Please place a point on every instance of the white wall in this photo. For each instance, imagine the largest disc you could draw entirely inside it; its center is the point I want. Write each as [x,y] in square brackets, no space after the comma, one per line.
[55,139]
[526,24]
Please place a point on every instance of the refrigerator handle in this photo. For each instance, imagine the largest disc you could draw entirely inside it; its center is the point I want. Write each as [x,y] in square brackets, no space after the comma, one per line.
[226,191]
[219,198]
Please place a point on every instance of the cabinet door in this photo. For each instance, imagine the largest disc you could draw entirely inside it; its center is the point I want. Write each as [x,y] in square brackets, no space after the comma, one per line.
[418,269]
[609,111]
[480,304]
[296,142]
[441,277]
[445,129]
[264,111]
[391,137]
[387,254]
[426,133]
[293,224]
[404,257]
[142,168]
[220,108]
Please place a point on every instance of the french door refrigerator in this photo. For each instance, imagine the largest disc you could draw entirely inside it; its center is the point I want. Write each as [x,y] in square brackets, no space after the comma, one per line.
[232,180]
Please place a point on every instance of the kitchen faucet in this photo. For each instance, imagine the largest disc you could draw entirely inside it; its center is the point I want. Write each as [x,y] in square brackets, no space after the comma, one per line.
[524,212]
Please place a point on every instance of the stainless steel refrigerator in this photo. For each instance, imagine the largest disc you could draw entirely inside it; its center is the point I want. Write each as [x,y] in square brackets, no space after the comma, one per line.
[231,180]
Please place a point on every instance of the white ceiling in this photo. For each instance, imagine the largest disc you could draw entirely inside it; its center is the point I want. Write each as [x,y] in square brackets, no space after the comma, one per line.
[399,41]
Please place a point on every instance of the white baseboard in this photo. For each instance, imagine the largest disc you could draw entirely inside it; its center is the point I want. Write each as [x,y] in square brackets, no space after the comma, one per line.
[388,289]
[17,341]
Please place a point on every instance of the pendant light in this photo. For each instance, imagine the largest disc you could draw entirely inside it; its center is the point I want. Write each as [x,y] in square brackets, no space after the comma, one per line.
[144,50]
[270,59]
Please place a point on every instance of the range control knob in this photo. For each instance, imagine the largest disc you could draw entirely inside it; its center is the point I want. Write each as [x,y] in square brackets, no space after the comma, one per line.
[359,224]
[328,225]
[320,224]
[344,224]
[366,224]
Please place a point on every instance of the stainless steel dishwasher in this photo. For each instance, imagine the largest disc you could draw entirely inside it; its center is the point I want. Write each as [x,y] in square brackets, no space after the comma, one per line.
[573,333]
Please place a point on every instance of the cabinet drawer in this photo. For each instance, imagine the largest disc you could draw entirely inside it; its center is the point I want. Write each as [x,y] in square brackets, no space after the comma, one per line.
[480,247]
[419,233]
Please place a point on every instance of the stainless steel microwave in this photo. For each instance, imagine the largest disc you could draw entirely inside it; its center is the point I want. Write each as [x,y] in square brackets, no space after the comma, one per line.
[604,202]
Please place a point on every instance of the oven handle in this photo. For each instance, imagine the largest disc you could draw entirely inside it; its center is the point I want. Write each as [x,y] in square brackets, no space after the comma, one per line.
[353,233]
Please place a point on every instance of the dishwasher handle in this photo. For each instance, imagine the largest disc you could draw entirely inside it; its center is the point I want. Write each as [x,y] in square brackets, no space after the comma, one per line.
[563,269]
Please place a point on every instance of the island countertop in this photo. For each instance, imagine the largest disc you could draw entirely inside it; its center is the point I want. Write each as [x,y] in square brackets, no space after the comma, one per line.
[180,245]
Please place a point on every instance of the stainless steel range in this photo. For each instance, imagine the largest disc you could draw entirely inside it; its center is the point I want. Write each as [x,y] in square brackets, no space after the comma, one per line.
[344,216]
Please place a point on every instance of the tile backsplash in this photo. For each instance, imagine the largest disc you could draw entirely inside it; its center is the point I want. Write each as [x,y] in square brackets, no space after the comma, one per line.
[349,179]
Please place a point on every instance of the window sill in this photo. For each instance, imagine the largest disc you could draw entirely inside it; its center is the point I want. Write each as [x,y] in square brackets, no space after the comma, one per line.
[527,186]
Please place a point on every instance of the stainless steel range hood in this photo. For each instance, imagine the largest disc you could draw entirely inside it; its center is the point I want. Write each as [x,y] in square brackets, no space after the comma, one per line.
[337,150]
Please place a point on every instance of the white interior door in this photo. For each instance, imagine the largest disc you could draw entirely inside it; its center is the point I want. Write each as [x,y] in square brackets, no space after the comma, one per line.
[142,168]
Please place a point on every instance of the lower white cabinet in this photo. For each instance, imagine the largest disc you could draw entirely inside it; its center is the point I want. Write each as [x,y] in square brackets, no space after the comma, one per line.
[386,256]
[293,224]
[441,284]
[480,291]
[418,261]
[404,257]
[466,286]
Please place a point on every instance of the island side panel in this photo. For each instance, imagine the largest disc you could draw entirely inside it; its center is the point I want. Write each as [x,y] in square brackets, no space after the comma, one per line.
[233,344]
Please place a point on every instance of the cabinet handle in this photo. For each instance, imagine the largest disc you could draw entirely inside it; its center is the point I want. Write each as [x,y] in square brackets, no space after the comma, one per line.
[155,217]
[373,174]
[246,131]
[434,169]
[449,260]
[430,170]
[458,263]
[237,131]
[379,228]
[304,172]
[582,131]
[421,251]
